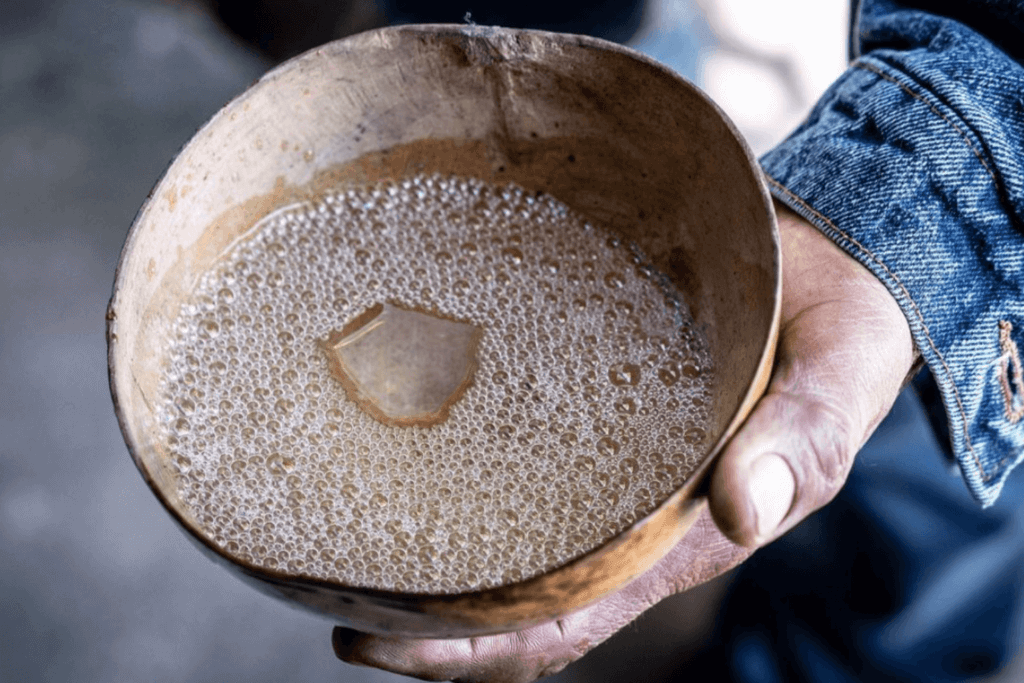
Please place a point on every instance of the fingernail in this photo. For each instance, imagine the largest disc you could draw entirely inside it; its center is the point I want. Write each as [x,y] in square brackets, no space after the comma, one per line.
[771,489]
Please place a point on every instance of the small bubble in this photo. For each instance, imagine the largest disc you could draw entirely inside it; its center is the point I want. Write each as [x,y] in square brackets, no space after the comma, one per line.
[512,255]
[584,464]
[614,280]
[628,466]
[625,406]
[209,329]
[280,465]
[427,555]
[669,374]
[624,374]
[694,436]
[349,492]
[667,473]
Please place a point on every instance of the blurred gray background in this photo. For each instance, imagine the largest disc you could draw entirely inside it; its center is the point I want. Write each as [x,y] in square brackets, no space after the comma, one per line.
[96,96]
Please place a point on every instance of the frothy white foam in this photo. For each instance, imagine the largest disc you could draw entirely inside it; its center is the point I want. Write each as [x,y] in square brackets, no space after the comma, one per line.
[587,406]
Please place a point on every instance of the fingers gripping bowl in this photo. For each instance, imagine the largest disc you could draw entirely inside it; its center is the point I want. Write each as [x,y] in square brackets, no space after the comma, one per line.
[393,310]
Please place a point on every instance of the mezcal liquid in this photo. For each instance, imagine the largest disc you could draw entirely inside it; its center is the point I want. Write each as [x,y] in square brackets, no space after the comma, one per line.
[431,386]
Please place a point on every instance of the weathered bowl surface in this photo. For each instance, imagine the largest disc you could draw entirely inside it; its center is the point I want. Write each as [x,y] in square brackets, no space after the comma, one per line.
[617,137]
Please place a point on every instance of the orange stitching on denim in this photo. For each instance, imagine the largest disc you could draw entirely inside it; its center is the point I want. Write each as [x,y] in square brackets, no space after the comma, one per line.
[921,98]
[917,312]
[1010,356]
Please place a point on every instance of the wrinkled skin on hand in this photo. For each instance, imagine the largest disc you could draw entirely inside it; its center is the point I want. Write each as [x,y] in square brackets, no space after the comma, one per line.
[844,352]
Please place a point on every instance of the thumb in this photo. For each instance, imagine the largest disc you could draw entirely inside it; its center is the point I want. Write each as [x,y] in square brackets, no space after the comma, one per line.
[844,352]
[789,459]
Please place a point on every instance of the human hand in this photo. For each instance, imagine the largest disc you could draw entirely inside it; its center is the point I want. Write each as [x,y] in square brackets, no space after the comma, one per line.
[844,352]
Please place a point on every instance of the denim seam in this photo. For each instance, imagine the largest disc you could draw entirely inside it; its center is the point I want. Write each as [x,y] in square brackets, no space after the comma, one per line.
[935,110]
[917,312]
[1010,357]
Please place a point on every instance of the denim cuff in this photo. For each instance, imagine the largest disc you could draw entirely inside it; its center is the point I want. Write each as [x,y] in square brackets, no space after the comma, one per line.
[914,174]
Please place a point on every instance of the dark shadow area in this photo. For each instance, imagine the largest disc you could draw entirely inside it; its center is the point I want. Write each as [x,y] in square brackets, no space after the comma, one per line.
[615,20]
[281,29]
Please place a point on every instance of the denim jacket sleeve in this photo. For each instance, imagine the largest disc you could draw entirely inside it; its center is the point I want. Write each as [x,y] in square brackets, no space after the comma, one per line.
[913,162]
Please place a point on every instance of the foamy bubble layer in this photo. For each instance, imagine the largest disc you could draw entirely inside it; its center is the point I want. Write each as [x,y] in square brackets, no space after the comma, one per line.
[584,408]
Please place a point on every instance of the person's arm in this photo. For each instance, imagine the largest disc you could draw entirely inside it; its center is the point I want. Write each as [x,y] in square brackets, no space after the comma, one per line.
[913,163]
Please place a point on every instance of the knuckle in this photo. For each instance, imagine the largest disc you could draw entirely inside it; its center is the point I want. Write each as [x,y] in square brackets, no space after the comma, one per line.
[830,450]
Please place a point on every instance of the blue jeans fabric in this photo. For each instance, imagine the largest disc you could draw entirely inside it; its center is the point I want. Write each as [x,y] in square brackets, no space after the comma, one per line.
[903,577]
[913,162]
